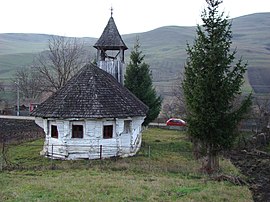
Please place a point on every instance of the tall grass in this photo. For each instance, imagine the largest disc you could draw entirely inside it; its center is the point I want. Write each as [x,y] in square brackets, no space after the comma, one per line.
[167,173]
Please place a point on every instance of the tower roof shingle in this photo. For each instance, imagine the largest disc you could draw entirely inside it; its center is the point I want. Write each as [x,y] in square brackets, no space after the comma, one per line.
[110,38]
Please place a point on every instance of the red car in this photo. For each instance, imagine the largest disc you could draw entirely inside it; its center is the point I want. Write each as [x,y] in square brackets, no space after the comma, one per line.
[175,122]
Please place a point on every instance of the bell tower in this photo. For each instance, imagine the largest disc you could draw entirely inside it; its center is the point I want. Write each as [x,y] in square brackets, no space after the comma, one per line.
[110,51]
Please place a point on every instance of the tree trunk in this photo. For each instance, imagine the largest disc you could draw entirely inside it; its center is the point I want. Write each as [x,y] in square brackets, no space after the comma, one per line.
[197,148]
[212,164]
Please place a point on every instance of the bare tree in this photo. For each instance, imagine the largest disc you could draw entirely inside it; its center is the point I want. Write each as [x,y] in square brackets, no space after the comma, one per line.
[1,90]
[179,97]
[1,86]
[175,105]
[261,112]
[62,60]
[29,83]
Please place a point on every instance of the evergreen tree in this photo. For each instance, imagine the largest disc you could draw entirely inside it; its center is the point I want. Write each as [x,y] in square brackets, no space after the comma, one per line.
[138,80]
[211,83]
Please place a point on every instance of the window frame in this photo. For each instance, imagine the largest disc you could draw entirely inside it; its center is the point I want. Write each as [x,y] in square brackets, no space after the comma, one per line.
[107,132]
[78,126]
[127,126]
[54,129]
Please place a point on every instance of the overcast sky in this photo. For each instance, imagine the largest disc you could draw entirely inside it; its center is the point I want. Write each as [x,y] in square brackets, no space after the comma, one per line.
[87,18]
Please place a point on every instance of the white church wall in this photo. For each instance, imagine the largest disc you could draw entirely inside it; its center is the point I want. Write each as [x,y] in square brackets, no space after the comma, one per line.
[92,145]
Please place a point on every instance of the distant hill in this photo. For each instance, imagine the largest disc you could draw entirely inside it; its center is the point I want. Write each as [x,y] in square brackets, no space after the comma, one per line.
[164,49]
[252,39]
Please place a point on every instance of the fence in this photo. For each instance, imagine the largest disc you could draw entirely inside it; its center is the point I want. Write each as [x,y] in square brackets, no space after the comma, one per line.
[27,156]
[247,125]
[83,151]
[157,155]
[15,154]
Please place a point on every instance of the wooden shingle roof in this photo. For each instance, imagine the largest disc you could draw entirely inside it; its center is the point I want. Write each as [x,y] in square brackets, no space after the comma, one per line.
[92,93]
[110,38]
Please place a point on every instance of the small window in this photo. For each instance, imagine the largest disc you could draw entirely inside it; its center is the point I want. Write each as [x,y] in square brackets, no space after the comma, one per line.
[107,132]
[127,126]
[77,131]
[54,131]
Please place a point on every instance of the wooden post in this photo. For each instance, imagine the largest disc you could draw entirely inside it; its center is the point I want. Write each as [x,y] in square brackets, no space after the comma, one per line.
[51,158]
[2,157]
[100,151]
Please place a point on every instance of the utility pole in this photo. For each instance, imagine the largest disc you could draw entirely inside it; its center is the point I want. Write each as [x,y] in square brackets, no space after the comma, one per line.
[18,98]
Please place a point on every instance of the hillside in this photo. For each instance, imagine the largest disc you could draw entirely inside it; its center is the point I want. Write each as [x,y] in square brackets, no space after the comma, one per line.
[252,39]
[164,50]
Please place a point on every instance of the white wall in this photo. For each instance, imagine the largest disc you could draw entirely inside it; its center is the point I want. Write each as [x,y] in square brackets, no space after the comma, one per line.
[121,144]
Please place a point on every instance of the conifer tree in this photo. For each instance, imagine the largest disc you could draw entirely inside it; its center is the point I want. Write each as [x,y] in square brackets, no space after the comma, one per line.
[212,81]
[138,80]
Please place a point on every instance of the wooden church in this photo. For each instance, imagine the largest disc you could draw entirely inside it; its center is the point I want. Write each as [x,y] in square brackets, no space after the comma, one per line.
[94,115]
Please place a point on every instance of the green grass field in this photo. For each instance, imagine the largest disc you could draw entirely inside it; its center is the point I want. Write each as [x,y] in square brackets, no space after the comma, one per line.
[167,173]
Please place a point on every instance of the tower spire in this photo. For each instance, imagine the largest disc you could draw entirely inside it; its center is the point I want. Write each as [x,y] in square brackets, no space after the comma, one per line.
[110,51]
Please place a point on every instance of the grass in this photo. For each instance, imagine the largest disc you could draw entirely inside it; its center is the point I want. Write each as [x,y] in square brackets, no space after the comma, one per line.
[168,173]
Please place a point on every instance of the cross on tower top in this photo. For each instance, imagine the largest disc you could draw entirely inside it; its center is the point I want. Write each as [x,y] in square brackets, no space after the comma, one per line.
[111,11]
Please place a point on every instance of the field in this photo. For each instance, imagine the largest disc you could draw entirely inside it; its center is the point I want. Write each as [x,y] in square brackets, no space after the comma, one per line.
[256,75]
[164,170]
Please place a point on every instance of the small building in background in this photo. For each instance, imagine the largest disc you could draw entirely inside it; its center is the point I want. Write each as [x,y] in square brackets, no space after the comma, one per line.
[33,106]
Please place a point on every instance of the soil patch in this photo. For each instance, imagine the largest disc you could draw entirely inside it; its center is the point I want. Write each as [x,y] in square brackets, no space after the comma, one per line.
[256,166]
[254,163]
[19,130]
